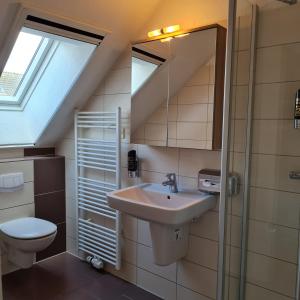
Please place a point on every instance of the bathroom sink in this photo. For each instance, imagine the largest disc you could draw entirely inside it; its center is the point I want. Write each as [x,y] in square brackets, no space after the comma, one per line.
[154,203]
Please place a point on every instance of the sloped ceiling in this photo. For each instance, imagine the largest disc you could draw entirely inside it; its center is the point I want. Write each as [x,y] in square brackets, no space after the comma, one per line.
[126,21]
[122,19]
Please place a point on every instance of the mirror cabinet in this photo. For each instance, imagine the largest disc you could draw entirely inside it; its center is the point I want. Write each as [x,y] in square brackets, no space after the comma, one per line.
[177,89]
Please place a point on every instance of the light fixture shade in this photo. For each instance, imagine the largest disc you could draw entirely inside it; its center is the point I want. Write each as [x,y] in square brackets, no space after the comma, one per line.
[170,29]
[166,39]
[154,33]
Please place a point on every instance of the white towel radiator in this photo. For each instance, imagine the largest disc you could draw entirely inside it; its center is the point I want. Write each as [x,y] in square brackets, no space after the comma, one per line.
[97,152]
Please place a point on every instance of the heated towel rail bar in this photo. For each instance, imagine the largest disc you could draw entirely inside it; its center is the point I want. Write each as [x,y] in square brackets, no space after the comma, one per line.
[97,152]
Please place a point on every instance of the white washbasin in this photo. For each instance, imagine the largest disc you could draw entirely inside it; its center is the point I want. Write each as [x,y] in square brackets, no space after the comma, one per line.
[154,203]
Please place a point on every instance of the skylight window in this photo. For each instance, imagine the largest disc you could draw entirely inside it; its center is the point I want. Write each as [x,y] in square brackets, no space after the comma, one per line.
[41,62]
[18,62]
[141,72]
[23,63]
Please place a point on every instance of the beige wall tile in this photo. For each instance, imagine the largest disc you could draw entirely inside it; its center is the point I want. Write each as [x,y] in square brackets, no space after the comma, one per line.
[156,285]
[156,132]
[191,144]
[70,169]
[66,148]
[277,64]
[193,113]
[275,100]
[275,207]
[243,67]
[26,167]
[21,197]
[193,94]
[144,235]
[240,129]
[186,294]
[96,103]
[127,272]
[191,131]
[21,211]
[201,77]
[159,116]
[241,102]
[197,278]
[71,227]
[273,240]
[164,160]
[72,246]
[11,153]
[203,252]
[129,251]
[279,26]
[192,161]
[129,227]
[254,292]
[271,274]
[275,137]
[206,226]
[244,40]
[111,102]
[145,261]
[270,171]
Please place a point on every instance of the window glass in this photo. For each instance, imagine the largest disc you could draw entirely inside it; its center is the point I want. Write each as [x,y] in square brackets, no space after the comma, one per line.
[19,61]
[141,71]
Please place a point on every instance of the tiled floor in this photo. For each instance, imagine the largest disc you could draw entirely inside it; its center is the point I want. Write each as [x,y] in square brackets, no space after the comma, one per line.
[65,277]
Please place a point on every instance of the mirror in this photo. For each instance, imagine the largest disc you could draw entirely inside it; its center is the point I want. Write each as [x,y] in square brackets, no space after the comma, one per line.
[177,90]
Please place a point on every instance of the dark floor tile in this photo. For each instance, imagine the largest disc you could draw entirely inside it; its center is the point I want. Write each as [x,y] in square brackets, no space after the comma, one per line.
[135,293]
[79,294]
[65,277]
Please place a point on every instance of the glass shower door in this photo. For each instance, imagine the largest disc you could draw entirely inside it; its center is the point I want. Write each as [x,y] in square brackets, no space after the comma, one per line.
[262,221]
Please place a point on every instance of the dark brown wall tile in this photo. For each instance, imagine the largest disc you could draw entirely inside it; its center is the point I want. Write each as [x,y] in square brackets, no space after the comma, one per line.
[57,246]
[51,207]
[49,175]
[39,151]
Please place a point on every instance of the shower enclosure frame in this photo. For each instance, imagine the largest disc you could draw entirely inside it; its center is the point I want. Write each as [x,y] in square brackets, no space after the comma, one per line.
[225,165]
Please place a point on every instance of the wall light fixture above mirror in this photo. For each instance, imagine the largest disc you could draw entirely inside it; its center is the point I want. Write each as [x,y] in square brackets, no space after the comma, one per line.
[177,89]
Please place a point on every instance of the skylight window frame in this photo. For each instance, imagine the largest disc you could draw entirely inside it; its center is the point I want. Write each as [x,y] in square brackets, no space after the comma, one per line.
[14,102]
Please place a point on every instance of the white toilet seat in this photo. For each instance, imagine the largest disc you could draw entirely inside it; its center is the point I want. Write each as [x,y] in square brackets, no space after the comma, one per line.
[28,228]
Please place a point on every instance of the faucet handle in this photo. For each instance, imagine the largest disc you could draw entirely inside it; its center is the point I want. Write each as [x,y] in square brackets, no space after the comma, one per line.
[171,176]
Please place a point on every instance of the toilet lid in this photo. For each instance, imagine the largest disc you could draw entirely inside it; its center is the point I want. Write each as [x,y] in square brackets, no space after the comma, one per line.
[28,228]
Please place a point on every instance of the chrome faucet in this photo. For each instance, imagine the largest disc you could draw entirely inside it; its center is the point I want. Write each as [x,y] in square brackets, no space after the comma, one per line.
[171,182]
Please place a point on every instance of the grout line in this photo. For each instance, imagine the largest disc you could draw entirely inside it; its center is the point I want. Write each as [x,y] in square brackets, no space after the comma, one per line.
[277,82]
[262,254]
[272,189]
[279,45]
[52,192]
[267,289]
[195,291]
[30,203]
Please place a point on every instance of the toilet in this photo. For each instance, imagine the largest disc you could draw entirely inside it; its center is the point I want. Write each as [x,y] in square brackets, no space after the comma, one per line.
[22,238]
